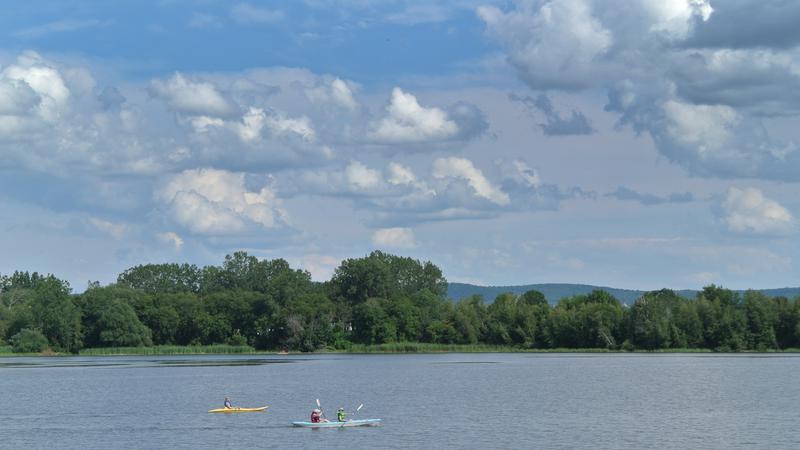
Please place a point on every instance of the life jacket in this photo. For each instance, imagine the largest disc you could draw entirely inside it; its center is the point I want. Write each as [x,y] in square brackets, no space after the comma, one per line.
[315,417]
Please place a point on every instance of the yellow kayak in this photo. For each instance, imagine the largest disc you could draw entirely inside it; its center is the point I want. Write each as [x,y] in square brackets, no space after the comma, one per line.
[237,410]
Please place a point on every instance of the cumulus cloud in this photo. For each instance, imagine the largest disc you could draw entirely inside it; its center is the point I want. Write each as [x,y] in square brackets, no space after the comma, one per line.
[337,92]
[191,97]
[407,121]
[556,44]
[748,211]
[270,119]
[556,125]
[394,238]
[362,177]
[453,189]
[217,202]
[32,81]
[706,104]
[17,98]
[400,174]
[460,168]
[257,119]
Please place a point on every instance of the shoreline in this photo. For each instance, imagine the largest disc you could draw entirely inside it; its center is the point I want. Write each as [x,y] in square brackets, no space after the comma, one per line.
[381,349]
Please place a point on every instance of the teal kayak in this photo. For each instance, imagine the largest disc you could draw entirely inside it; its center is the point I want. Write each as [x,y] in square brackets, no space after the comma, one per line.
[334,424]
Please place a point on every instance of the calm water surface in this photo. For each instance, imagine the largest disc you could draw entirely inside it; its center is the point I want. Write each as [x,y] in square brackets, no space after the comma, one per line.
[483,401]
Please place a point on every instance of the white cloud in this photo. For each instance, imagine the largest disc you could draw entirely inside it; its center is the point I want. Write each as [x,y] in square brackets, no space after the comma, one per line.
[191,97]
[170,238]
[400,174]
[674,18]
[409,122]
[362,177]
[217,202]
[253,122]
[707,108]
[17,98]
[201,124]
[281,125]
[461,168]
[748,211]
[256,119]
[246,13]
[702,127]
[557,45]
[394,238]
[336,91]
[42,78]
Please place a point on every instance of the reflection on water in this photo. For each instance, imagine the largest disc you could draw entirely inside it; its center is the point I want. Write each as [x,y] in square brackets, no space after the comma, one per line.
[103,361]
[468,362]
[223,362]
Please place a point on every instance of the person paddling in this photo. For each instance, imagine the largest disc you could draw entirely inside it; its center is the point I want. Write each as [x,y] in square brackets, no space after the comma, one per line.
[228,403]
[316,416]
[341,416]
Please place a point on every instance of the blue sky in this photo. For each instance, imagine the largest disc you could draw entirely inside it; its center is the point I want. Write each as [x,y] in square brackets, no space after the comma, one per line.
[640,144]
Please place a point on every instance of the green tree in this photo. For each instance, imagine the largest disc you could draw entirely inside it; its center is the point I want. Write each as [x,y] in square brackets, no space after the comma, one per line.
[55,314]
[371,323]
[161,278]
[118,326]
[109,318]
[724,322]
[28,341]
[654,321]
[762,318]
[381,275]
[595,320]
[469,320]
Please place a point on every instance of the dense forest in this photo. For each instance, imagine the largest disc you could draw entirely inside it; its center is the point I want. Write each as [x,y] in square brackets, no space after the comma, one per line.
[380,298]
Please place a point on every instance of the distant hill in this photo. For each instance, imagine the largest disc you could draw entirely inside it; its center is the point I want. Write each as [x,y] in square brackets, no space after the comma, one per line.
[553,292]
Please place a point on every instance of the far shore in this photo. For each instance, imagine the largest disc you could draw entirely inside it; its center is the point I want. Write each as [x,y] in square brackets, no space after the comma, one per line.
[392,348]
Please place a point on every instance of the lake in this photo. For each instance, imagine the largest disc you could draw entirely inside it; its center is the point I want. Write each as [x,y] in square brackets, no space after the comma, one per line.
[487,401]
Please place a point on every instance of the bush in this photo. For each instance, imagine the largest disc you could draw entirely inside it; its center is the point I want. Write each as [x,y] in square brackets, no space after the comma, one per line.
[28,341]
[237,340]
[627,346]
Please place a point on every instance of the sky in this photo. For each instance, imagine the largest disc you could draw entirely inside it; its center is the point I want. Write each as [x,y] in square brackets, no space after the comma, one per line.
[637,144]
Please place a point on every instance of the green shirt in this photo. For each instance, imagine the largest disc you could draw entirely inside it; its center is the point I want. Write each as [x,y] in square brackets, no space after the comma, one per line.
[340,416]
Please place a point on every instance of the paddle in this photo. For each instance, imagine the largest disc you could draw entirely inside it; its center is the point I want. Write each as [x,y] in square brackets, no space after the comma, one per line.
[358,409]
[320,409]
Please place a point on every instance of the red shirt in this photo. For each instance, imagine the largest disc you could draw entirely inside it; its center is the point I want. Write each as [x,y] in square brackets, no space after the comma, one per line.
[314,417]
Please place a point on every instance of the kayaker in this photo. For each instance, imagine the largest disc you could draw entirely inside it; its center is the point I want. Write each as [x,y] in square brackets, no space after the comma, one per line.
[228,403]
[341,415]
[316,416]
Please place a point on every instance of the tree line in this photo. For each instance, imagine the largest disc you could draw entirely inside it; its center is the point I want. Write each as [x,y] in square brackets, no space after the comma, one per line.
[380,298]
